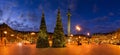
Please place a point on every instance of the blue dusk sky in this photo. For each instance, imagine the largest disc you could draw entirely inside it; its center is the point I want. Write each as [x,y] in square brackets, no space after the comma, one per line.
[94,16]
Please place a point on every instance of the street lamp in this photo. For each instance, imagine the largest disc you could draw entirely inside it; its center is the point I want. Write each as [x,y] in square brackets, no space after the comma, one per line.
[89,37]
[32,36]
[79,37]
[88,34]
[78,28]
[5,32]
[71,35]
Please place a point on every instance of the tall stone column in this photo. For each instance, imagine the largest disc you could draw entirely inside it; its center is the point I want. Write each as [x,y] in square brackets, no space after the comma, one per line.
[69,22]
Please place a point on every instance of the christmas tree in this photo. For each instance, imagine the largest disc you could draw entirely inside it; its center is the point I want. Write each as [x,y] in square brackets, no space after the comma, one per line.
[42,41]
[58,36]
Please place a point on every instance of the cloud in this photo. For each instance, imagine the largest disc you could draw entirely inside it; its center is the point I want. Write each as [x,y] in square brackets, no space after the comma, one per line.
[21,16]
[30,2]
[9,4]
[1,14]
[103,28]
[40,7]
[46,6]
[118,21]
[95,9]
[111,14]
[100,19]
[116,24]
[6,9]
[72,5]
[101,24]
[32,16]
[21,26]
[65,4]
[55,11]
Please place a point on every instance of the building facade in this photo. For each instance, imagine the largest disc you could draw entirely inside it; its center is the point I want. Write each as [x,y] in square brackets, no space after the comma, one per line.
[10,35]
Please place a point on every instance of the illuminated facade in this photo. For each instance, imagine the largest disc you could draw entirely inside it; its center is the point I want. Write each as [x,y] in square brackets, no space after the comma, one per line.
[14,35]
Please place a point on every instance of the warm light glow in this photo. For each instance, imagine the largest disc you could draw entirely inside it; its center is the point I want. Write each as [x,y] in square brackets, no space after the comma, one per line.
[50,43]
[115,37]
[88,33]
[69,40]
[79,37]
[5,32]
[71,35]
[19,44]
[32,33]
[76,38]
[78,28]
[12,35]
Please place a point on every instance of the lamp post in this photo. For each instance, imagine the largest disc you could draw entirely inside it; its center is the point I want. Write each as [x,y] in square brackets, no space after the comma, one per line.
[4,39]
[32,36]
[70,39]
[78,28]
[88,34]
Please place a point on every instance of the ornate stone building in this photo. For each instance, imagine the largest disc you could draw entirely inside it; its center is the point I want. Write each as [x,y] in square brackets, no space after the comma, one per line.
[7,33]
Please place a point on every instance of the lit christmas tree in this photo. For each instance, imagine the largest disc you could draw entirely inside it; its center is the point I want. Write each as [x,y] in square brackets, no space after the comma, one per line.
[58,36]
[42,41]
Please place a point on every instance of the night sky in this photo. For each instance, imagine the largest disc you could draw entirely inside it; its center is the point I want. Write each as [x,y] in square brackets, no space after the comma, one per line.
[93,16]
